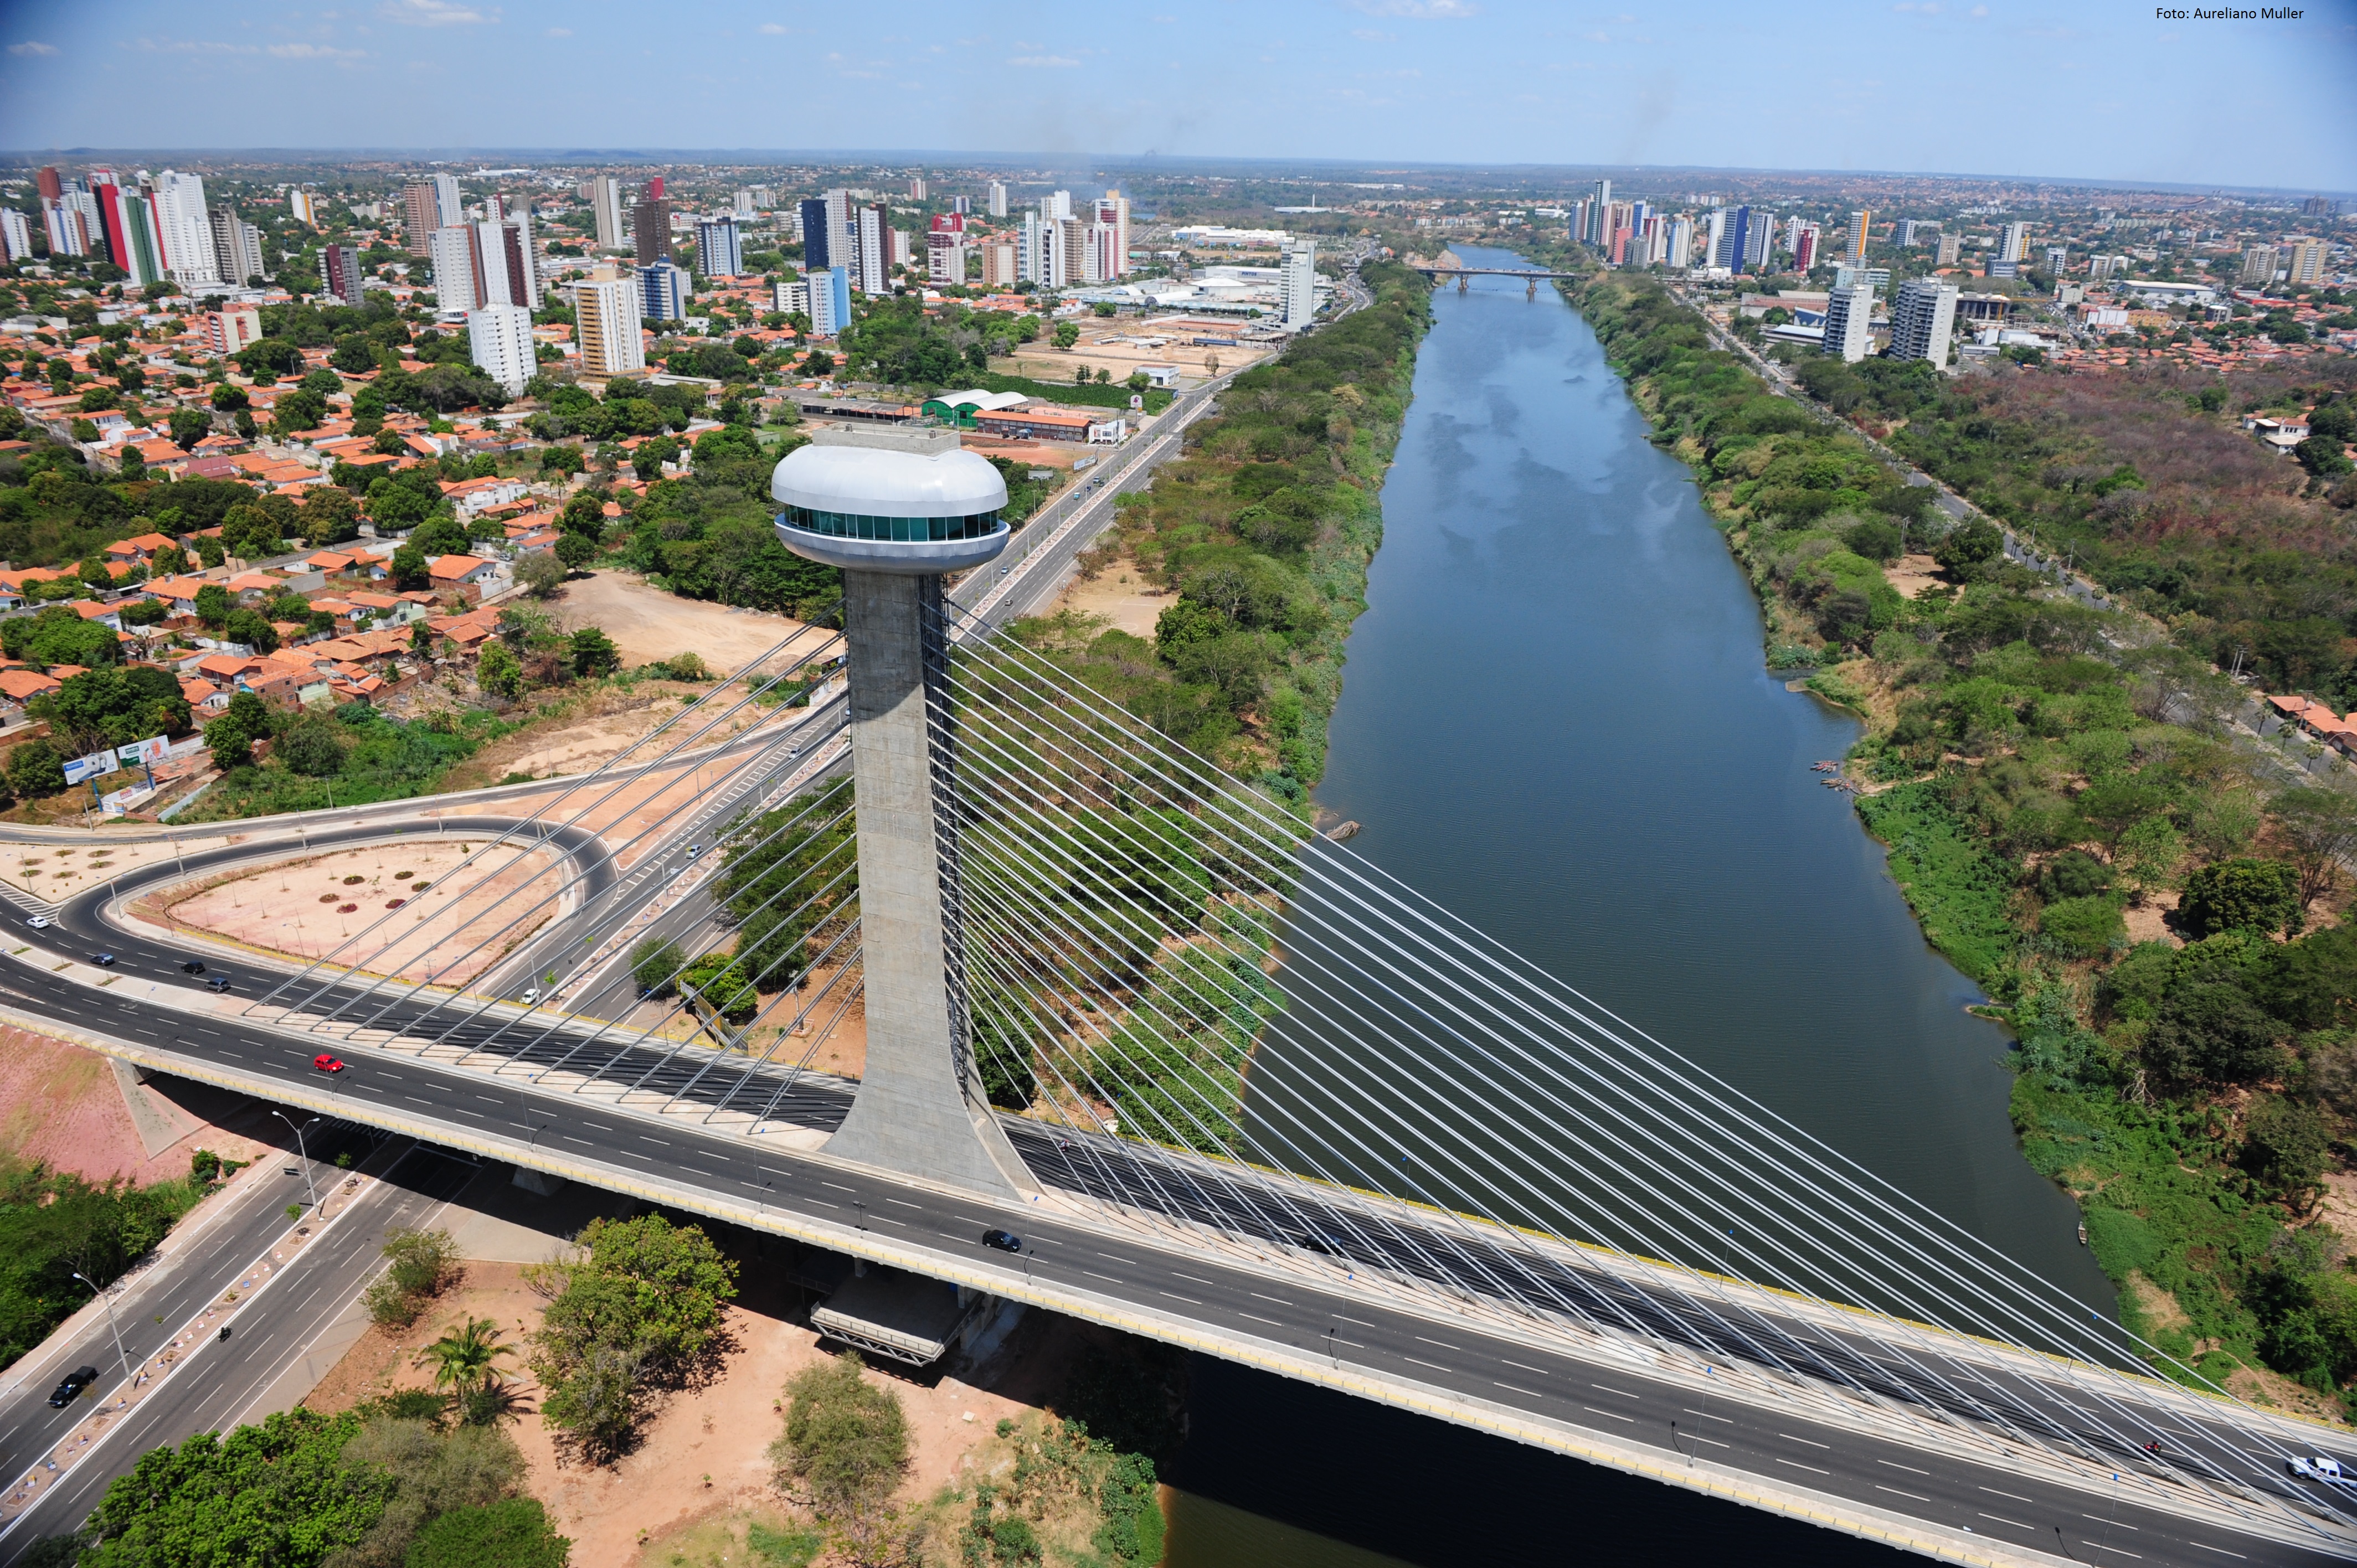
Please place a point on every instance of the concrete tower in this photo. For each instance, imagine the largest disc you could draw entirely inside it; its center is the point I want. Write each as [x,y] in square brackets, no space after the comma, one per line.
[896,510]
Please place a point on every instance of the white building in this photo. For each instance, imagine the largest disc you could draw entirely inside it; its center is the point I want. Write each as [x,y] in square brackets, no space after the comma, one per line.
[945,256]
[997,199]
[1848,321]
[606,318]
[186,228]
[719,248]
[606,208]
[2014,244]
[1921,318]
[2303,259]
[15,234]
[451,251]
[449,206]
[1112,213]
[500,342]
[872,247]
[237,245]
[1297,285]
[1000,264]
[70,229]
[830,301]
[793,298]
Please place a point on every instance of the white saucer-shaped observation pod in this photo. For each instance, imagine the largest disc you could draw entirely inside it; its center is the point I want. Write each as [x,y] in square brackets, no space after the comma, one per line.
[872,509]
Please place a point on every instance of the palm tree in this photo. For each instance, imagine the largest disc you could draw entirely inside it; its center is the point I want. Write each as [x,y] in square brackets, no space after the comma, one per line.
[463,1357]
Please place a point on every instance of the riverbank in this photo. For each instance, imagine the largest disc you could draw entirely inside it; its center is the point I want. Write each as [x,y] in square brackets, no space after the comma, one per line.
[2187,1091]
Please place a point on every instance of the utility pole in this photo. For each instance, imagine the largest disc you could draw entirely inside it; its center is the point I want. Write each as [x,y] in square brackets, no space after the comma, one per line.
[118,1354]
[306,1155]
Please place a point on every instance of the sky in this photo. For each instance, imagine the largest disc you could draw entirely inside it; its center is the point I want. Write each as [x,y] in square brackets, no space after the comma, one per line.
[2082,89]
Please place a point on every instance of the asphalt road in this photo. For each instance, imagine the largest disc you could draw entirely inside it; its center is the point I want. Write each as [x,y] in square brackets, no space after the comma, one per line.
[219,1381]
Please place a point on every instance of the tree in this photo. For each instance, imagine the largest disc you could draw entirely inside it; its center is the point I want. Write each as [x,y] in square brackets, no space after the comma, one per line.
[575,551]
[2321,827]
[594,653]
[420,1266]
[542,573]
[313,744]
[330,516]
[188,427]
[846,1442]
[465,1357]
[2286,1145]
[230,738]
[498,671]
[34,771]
[655,966]
[213,606]
[1067,334]
[639,1303]
[280,1490]
[2244,895]
[248,627]
[513,1533]
[1968,545]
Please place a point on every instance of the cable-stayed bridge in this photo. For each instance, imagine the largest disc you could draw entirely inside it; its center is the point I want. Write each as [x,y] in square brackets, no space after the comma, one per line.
[1232,1085]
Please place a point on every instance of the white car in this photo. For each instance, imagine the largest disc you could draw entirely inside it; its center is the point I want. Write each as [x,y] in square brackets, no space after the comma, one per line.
[39,922]
[530,995]
[2317,1468]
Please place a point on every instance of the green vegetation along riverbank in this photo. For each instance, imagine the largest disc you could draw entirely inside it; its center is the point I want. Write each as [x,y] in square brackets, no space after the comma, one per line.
[2160,922]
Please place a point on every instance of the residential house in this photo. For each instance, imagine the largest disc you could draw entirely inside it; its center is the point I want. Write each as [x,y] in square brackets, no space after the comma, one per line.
[467,575]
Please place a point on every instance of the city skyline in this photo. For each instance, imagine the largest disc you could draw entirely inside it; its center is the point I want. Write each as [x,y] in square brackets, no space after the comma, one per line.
[1974,88]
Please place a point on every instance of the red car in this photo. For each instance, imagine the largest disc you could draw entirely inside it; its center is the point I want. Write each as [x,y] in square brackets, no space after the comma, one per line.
[327,1063]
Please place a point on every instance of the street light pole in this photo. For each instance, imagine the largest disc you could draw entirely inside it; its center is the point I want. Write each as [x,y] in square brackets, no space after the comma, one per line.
[109,1301]
[306,1153]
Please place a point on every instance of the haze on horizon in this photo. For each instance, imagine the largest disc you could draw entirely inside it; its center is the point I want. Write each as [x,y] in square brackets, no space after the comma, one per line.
[2074,90]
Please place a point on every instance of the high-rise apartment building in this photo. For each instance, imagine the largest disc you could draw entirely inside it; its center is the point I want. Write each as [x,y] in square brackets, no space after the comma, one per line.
[237,244]
[127,217]
[1759,241]
[917,187]
[1000,263]
[1913,230]
[303,205]
[52,187]
[1807,239]
[2258,268]
[2057,260]
[2303,259]
[185,227]
[1730,238]
[504,269]
[1595,233]
[1112,213]
[873,248]
[791,297]
[15,234]
[1861,225]
[1296,284]
[944,255]
[449,203]
[1951,252]
[70,229]
[231,327]
[1069,252]
[2013,243]
[339,269]
[743,206]
[650,225]
[418,217]
[1681,243]
[2101,267]
[842,229]
[1920,320]
[500,342]
[451,252]
[816,256]
[997,199]
[830,301]
[664,290]
[719,248]
[1848,315]
[606,211]
[605,325]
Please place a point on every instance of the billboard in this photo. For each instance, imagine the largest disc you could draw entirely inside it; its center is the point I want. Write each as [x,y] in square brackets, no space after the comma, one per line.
[90,767]
[155,748]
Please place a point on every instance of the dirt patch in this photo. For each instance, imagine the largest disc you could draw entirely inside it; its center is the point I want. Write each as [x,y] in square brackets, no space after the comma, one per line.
[593,731]
[365,906]
[2256,1385]
[60,1104]
[1910,575]
[56,872]
[1120,595]
[2159,1308]
[2148,922]
[650,625]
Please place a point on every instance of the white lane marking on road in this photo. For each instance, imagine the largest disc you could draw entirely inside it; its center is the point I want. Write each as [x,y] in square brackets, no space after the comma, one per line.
[1189,1300]
[415,1101]
[1608,1389]
[1198,1279]
[2116,1552]
[1809,1441]
[2219,1550]
[2016,1497]
[1723,1421]
[1095,1275]
[772,1170]
[1897,1465]
[2002,1520]
[1531,1393]
[904,1203]
[1257,1317]
[1360,1321]
[1542,1371]
[1798,1466]
[1916,1496]
[1714,1443]
[838,1187]
[571,1139]
[1442,1343]
[824,1204]
[1279,1299]
[1613,1414]
[887,1219]
[489,1100]
[2101,1519]
[1424,1364]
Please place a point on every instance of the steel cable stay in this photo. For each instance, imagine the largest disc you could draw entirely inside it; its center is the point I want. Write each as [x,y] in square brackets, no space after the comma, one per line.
[611,766]
[1229,786]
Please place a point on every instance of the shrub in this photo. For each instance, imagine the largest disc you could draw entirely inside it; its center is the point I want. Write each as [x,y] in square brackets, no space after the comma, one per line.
[846,1441]
[515,1533]
[2242,894]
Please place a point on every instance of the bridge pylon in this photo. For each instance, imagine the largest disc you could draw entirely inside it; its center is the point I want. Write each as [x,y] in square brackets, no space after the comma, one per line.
[877,504]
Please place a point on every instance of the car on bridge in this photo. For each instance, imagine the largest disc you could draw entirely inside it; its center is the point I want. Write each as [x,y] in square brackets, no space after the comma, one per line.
[1003,1241]
[103,960]
[192,967]
[70,1390]
[218,983]
[2317,1467]
[327,1063]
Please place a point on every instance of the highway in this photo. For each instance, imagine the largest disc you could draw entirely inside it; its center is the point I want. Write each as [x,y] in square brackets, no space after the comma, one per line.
[219,1381]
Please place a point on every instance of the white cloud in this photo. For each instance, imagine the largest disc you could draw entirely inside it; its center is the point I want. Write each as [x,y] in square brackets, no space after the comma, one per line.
[194,47]
[1043,61]
[557,33]
[311,51]
[1428,10]
[32,47]
[435,14]
[1368,36]
[773,29]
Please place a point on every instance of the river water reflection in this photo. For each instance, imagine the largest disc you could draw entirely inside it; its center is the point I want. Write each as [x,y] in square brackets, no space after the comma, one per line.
[1555,722]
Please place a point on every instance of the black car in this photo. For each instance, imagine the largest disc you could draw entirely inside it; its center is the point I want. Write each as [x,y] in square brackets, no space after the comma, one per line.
[1005,1242]
[103,960]
[192,967]
[70,1390]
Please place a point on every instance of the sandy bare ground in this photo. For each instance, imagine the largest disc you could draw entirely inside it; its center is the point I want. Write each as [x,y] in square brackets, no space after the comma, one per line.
[60,1104]
[648,625]
[607,724]
[1910,575]
[58,871]
[704,1454]
[307,907]
[1121,594]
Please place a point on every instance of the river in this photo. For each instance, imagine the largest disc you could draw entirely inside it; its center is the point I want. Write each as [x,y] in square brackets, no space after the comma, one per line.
[1556,720]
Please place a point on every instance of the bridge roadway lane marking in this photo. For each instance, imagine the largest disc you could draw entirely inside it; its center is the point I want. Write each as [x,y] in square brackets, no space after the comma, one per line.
[1151,1259]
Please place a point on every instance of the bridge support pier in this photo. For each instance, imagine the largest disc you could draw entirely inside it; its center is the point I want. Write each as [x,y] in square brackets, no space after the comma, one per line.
[1461,281]
[1531,289]
[921,1107]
